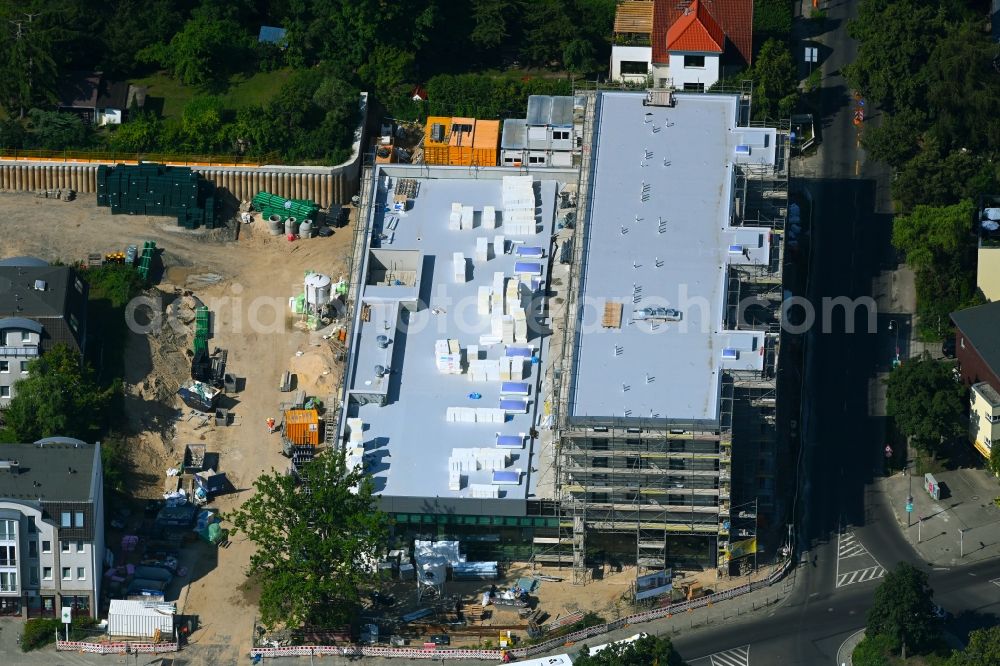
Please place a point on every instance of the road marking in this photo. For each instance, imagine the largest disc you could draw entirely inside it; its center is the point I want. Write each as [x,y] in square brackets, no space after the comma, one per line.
[849,546]
[860,576]
[857,167]
[736,657]
[996,581]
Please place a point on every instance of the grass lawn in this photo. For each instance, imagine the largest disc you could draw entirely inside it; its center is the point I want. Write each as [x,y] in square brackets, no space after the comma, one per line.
[242,91]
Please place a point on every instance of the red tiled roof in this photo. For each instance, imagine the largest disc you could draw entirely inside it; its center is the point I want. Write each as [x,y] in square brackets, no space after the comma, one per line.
[733,17]
[696,30]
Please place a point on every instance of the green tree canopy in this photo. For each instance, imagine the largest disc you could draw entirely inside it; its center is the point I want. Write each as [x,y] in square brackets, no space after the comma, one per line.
[59,397]
[903,609]
[983,649]
[647,651]
[209,47]
[775,81]
[932,233]
[926,402]
[315,549]
[54,130]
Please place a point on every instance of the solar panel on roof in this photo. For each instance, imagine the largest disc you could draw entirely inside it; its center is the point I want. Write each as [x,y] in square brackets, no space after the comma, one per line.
[510,441]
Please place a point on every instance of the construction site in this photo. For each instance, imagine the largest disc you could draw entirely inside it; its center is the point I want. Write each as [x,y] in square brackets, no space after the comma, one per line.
[643,432]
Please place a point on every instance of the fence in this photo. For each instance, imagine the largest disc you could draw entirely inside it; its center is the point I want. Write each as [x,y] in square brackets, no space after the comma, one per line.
[116,648]
[521,653]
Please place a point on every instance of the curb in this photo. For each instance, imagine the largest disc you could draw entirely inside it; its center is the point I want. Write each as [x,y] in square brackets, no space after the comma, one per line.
[847,648]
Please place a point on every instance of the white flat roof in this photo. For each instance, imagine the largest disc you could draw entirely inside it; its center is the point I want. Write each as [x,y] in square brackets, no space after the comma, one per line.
[408,440]
[658,234]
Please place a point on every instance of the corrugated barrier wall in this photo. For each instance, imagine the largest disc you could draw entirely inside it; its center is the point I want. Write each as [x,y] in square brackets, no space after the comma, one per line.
[327,186]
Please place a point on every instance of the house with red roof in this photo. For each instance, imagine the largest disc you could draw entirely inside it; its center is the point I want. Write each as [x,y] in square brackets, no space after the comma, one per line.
[681,44]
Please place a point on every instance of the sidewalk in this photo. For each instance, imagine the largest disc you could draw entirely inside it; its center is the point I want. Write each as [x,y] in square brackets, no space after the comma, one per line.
[968,508]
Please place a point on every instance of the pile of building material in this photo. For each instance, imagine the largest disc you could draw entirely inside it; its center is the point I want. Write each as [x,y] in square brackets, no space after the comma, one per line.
[155,189]
[272,205]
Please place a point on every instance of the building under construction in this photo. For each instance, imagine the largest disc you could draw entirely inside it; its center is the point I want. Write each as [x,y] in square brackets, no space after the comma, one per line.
[649,426]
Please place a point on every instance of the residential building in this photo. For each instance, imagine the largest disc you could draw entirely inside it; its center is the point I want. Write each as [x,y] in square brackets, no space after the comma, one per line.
[550,135]
[40,306]
[634,415]
[988,251]
[51,527]
[977,348]
[96,99]
[685,45]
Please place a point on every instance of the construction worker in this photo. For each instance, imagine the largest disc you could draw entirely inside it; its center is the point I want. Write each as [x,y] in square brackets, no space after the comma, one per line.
[270,424]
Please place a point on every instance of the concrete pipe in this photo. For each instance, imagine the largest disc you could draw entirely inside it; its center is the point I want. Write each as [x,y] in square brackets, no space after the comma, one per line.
[47,178]
[254,184]
[5,177]
[62,173]
[327,190]
[269,181]
[284,187]
[33,180]
[19,178]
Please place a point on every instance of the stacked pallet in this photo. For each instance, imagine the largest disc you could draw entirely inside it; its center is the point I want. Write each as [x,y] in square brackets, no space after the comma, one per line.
[155,189]
[271,204]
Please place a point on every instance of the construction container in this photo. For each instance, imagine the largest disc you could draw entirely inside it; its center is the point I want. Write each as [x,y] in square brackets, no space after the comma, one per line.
[302,427]
[485,143]
[460,143]
[437,134]
[141,619]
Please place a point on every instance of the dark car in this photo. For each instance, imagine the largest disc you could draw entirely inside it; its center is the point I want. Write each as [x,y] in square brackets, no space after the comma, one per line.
[441,639]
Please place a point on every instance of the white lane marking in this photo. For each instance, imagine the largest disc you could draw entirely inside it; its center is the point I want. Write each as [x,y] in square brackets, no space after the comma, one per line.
[736,657]
[849,546]
[996,581]
[860,576]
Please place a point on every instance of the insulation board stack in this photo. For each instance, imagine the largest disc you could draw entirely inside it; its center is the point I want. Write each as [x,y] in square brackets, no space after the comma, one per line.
[482,249]
[448,356]
[455,219]
[489,217]
[467,218]
[458,262]
[519,205]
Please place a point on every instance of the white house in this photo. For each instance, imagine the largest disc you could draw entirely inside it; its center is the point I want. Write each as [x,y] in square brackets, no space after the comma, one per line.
[685,44]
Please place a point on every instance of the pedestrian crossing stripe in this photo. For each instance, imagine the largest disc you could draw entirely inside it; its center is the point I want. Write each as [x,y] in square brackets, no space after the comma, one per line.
[860,576]
[996,581]
[849,546]
[736,657]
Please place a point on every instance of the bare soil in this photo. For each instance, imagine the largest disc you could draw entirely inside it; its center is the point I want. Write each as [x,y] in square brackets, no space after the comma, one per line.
[246,283]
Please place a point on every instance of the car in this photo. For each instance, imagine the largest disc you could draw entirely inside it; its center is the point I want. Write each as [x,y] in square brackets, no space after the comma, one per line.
[940,613]
[441,639]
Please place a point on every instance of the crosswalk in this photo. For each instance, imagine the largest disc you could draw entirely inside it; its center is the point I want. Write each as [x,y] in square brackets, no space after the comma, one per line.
[860,575]
[855,564]
[736,657]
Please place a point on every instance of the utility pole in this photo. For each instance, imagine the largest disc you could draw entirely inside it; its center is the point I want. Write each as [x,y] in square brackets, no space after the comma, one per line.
[20,34]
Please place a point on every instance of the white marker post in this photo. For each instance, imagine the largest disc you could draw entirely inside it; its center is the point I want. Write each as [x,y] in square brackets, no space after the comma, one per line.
[67,619]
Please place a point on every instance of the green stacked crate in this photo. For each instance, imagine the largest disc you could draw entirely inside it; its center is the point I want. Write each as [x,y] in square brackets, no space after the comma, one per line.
[146,259]
[154,189]
[201,329]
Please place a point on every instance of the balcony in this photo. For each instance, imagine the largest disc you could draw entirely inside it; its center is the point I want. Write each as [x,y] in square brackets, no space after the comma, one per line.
[19,352]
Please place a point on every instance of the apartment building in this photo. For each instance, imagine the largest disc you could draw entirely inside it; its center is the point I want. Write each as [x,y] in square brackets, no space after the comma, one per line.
[51,527]
[977,348]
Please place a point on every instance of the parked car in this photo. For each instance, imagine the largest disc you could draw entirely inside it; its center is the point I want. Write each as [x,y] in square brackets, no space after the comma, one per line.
[941,613]
[441,639]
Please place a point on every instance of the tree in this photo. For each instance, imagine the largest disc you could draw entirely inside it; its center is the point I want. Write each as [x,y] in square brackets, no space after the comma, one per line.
[932,233]
[897,139]
[491,20]
[201,121]
[141,132]
[54,130]
[873,650]
[895,40]
[579,57]
[59,397]
[903,610]
[133,24]
[994,463]
[316,542]
[209,48]
[983,649]
[643,652]
[928,405]
[775,82]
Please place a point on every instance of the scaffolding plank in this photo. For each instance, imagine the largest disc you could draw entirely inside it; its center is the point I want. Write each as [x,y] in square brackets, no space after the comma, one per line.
[612,315]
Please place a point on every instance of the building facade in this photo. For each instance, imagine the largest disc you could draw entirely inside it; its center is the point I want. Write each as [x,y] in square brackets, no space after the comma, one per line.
[51,527]
[40,306]
[549,136]
[687,45]
[977,348]
[984,417]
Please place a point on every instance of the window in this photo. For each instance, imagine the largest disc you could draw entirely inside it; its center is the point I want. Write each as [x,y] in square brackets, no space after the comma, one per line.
[8,556]
[601,461]
[46,573]
[79,545]
[24,367]
[73,323]
[67,573]
[46,546]
[4,366]
[4,391]
[508,160]
[25,336]
[81,573]
[535,159]
[66,519]
[31,526]
[8,530]
[634,67]
[560,135]
[79,519]
[79,285]
[32,548]
[33,577]
[694,61]
[65,546]
[694,87]
[8,581]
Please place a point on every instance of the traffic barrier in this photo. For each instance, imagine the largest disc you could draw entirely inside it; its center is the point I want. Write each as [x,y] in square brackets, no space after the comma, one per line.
[116,648]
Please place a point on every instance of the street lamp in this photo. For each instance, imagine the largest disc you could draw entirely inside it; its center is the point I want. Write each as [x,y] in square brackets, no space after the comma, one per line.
[893,328]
